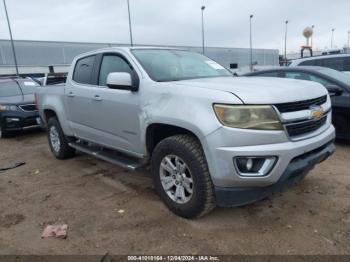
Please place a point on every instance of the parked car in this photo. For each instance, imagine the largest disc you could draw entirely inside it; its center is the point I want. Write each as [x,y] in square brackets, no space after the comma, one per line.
[339,62]
[17,106]
[337,83]
[210,138]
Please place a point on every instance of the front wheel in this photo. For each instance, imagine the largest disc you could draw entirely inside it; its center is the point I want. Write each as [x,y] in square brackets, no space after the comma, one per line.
[181,176]
[58,141]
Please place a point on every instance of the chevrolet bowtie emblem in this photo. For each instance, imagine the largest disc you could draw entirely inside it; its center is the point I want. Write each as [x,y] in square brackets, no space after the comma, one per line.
[316,112]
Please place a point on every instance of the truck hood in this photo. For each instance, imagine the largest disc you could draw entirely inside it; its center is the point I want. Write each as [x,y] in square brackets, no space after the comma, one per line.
[17,100]
[261,90]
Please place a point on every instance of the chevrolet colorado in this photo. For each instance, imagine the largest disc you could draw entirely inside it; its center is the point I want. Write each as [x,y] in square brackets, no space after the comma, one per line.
[211,139]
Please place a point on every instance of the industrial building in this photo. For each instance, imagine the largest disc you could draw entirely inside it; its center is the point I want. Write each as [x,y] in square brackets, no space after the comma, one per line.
[40,57]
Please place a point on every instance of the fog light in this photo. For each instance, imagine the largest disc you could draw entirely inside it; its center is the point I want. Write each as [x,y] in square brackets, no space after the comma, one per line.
[12,119]
[254,166]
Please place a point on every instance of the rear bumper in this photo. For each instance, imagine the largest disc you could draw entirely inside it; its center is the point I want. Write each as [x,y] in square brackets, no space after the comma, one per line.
[296,171]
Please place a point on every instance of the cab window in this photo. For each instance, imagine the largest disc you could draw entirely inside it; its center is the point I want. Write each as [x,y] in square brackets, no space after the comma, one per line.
[83,70]
[111,64]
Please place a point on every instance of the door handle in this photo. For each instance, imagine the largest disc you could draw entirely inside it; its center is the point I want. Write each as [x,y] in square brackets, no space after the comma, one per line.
[71,94]
[97,98]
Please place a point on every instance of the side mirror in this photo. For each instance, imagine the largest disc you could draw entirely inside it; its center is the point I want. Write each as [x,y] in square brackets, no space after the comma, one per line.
[121,80]
[334,90]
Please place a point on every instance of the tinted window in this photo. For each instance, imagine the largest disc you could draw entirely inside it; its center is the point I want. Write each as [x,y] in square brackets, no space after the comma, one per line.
[268,74]
[9,89]
[110,64]
[336,63]
[314,62]
[320,80]
[83,70]
[297,75]
[346,63]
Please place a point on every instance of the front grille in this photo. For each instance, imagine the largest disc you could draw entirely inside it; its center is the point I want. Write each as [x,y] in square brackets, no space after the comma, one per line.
[301,105]
[28,108]
[303,128]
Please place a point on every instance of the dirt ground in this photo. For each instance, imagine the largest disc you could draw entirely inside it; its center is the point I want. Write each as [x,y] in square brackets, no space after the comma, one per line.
[88,194]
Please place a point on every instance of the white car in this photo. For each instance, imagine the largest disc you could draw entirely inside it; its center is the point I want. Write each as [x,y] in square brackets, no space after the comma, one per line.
[340,62]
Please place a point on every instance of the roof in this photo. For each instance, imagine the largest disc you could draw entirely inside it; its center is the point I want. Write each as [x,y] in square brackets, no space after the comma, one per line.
[288,69]
[319,56]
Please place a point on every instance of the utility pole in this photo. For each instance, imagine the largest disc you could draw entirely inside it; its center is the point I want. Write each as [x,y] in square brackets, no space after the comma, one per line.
[285,43]
[12,44]
[251,42]
[130,30]
[312,37]
[203,8]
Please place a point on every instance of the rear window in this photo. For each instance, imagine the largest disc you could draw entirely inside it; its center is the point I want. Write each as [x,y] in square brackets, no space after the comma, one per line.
[83,70]
[9,89]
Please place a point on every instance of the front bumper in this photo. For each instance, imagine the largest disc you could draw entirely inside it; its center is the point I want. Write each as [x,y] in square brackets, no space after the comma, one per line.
[296,171]
[258,144]
[25,120]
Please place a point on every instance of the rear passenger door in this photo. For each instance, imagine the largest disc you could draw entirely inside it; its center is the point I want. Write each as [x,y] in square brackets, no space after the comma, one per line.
[79,98]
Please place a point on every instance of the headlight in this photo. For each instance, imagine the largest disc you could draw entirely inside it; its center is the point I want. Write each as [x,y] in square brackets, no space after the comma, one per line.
[248,117]
[8,108]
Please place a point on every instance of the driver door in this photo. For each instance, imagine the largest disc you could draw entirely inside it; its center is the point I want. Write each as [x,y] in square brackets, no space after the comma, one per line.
[116,111]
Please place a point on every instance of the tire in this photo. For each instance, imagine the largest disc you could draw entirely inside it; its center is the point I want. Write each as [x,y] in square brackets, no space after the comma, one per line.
[185,153]
[58,142]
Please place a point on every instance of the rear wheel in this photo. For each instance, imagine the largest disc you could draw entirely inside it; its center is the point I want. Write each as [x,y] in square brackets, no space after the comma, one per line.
[181,176]
[58,142]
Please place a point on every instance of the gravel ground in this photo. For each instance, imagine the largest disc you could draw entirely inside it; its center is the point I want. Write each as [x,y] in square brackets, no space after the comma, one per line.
[109,209]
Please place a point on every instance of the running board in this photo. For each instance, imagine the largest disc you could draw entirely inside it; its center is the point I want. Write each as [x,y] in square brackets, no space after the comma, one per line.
[109,156]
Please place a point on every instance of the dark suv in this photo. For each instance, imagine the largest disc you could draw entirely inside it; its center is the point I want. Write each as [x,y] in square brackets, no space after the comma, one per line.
[337,84]
[17,105]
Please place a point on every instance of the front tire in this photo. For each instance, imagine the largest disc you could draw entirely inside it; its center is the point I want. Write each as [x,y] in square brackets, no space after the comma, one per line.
[58,142]
[181,176]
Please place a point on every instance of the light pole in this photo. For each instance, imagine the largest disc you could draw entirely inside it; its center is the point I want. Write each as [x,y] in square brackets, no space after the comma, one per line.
[12,44]
[332,38]
[285,43]
[130,30]
[348,39]
[203,8]
[251,42]
[312,36]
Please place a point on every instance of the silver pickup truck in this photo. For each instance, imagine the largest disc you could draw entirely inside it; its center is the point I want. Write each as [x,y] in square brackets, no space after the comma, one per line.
[211,139]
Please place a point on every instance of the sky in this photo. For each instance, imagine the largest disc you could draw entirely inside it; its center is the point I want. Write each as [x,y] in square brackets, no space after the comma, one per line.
[178,22]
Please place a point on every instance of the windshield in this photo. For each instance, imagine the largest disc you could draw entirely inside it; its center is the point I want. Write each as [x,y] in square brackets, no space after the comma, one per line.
[173,65]
[340,76]
[9,89]
[28,86]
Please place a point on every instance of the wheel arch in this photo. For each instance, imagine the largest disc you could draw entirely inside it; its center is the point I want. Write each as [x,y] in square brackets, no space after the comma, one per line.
[156,132]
